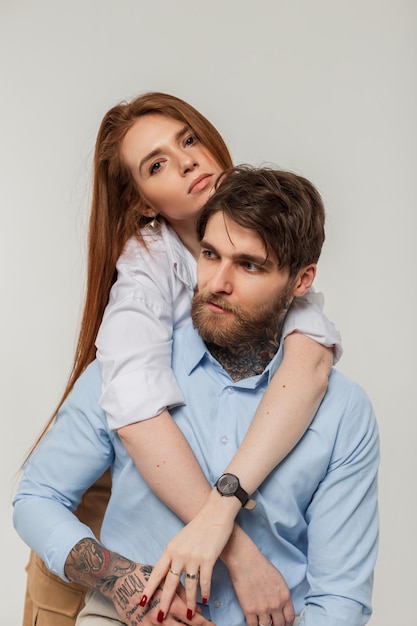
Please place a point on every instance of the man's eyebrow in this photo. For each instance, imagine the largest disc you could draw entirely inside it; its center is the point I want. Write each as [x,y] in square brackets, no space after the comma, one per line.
[178,135]
[206,244]
[263,261]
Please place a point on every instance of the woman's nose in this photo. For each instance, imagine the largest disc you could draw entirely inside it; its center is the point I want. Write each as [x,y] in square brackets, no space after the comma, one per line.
[187,163]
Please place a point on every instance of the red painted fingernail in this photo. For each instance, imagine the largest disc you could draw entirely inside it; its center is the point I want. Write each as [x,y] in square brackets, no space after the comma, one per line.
[143,600]
[160,616]
[204,600]
[189,614]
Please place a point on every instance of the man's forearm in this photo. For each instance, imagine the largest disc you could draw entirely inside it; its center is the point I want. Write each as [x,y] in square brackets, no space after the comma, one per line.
[117,578]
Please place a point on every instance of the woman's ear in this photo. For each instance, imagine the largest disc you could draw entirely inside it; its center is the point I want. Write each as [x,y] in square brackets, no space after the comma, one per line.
[304,279]
[148,211]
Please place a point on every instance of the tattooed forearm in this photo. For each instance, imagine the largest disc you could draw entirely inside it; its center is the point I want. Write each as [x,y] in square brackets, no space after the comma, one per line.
[119,579]
[92,565]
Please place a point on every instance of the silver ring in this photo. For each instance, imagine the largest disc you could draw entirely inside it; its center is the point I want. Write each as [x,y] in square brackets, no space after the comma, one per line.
[193,577]
[269,623]
[175,573]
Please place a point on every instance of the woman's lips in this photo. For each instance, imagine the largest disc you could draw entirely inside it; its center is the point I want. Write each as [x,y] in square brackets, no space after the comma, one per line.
[200,183]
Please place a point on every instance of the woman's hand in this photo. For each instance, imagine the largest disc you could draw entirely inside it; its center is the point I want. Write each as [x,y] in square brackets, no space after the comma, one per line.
[122,581]
[132,614]
[194,551]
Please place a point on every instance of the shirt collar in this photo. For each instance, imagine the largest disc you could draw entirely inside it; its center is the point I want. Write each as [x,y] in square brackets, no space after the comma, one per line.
[183,262]
[195,354]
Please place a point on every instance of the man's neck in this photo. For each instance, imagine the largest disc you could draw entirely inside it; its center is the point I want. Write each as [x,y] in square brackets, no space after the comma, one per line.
[248,359]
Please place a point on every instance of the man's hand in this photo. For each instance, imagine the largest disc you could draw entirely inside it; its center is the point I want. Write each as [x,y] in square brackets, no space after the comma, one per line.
[122,582]
[261,589]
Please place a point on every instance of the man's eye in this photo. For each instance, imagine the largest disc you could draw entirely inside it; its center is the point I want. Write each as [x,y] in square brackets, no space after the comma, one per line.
[208,254]
[251,267]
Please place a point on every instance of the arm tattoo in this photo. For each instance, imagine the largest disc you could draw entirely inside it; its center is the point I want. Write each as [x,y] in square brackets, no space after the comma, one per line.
[90,564]
[119,579]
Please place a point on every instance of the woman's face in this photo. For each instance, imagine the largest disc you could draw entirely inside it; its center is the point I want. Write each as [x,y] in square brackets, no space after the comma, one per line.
[173,171]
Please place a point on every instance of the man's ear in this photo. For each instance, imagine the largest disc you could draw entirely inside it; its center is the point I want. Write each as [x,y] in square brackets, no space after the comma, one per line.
[304,279]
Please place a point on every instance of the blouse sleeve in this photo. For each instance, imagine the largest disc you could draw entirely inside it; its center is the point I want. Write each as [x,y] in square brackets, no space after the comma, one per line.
[135,338]
[306,316]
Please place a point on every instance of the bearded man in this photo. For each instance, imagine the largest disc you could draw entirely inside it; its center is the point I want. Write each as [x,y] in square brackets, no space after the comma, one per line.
[315,521]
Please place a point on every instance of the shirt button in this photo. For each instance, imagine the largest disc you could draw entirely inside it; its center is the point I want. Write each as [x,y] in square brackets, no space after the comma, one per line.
[224,440]
[230,390]
[217,604]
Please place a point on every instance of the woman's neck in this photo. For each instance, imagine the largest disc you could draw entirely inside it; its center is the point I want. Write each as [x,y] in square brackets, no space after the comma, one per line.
[187,233]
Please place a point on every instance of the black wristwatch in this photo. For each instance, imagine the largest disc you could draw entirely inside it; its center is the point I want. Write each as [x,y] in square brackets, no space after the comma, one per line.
[229,485]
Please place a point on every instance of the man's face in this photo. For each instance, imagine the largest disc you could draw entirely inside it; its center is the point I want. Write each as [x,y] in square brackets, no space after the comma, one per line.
[241,290]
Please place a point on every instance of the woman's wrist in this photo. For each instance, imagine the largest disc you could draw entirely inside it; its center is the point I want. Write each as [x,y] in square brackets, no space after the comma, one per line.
[225,507]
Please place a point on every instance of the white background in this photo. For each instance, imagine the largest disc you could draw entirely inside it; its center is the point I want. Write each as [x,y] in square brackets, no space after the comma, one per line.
[325,88]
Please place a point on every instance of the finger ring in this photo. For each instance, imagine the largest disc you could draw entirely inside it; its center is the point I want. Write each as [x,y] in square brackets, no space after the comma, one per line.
[191,576]
[175,573]
[269,623]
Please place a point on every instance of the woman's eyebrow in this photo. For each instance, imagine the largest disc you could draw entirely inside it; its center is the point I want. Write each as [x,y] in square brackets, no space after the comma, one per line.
[153,153]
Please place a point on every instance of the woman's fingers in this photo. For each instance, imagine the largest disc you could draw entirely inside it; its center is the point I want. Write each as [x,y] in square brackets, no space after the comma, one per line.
[158,574]
[204,580]
[172,580]
[191,579]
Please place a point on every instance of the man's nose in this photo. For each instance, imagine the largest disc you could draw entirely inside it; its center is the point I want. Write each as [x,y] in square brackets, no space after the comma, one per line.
[221,280]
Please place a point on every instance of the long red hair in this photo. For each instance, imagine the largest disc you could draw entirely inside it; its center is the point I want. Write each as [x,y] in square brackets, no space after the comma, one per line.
[116,209]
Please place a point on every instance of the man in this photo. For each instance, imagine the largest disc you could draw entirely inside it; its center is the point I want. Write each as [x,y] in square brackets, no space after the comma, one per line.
[316,516]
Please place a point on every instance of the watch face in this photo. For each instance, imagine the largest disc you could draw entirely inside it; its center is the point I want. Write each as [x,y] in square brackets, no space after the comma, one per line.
[228,484]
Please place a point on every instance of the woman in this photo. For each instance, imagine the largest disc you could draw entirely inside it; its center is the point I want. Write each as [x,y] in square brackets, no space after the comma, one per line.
[157,157]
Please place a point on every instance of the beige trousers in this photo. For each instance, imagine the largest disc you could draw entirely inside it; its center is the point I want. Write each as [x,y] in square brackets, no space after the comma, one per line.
[49,601]
[98,611]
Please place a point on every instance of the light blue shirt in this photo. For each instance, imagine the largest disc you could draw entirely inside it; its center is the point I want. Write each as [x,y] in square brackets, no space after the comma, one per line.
[316,517]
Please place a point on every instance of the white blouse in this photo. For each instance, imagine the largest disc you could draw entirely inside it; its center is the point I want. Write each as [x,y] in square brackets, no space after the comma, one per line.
[150,298]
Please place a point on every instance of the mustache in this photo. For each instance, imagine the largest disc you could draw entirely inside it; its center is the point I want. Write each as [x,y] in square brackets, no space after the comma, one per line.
[204,297]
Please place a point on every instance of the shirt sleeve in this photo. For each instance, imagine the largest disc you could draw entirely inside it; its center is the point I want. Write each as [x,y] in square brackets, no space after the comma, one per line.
[75,452]
[343,524]
[306,316]
[134,343]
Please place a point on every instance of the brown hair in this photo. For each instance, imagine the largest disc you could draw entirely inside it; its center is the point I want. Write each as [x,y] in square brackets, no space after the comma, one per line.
[116,209]
[285,209]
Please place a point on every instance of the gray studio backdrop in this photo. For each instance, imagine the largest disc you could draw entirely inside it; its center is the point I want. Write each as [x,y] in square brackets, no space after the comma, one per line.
[325,88]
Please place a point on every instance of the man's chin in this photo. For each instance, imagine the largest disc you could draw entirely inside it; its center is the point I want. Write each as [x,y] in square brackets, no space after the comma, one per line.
[214,330]
[225,333]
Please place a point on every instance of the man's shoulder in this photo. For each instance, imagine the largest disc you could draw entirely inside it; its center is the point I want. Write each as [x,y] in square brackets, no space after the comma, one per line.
[186,332]
[340,383]
[187,347]
[87,388]
[348,400]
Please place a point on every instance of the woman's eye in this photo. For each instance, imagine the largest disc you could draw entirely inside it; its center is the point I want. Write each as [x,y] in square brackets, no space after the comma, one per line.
[190,140]
[155,167]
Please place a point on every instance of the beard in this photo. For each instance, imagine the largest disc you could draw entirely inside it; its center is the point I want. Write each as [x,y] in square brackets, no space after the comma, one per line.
[237,325]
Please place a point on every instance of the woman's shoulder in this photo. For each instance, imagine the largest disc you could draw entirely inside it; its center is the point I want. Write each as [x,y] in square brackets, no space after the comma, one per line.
[150,243]
[158,250]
